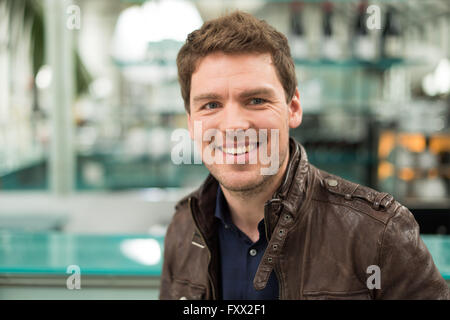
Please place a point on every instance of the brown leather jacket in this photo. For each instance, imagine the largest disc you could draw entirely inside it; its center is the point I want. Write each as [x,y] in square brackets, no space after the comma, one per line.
[325,233]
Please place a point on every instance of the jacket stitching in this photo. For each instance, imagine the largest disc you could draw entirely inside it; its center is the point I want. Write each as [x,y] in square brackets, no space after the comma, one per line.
[351,207]
[336,293]
[306,247]
[380,258]
[189,283]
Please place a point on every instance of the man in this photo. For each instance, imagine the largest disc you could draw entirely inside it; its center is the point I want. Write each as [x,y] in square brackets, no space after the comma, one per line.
[293,233]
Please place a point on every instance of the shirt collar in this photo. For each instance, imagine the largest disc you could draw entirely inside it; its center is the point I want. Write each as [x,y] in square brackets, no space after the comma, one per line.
[222,212]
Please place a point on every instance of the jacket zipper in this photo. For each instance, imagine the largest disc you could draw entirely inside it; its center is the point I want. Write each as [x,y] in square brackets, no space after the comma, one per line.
[275,268]
[206,245]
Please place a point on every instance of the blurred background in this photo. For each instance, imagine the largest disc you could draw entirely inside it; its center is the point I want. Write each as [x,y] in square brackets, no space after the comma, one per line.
[89,100]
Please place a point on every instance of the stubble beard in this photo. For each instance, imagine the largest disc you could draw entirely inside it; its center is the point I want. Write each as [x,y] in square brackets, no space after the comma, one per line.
[256,187]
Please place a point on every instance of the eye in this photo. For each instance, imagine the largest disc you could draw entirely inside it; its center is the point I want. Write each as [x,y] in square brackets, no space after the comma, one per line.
[211,105]
[256,101]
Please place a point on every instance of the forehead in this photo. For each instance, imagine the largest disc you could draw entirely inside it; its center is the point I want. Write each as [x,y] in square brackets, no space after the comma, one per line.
[219,68]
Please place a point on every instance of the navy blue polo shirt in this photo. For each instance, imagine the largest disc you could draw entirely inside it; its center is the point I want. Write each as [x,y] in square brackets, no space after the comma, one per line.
[240,258]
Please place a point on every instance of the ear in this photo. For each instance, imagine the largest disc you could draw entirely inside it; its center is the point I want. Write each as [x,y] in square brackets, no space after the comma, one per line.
[295,110]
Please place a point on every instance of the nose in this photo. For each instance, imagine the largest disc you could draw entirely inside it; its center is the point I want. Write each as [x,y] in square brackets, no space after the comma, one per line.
[234,118]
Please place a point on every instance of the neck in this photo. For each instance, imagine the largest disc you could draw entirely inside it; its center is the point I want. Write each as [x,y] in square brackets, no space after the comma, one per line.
[247,208]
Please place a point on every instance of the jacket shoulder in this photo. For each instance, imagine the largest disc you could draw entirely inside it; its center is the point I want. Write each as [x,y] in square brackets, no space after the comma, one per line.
[182,221]
[183,203]
[182,216]
[339,191]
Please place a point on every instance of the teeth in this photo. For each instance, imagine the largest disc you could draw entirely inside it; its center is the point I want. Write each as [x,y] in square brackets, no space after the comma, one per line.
[239,150]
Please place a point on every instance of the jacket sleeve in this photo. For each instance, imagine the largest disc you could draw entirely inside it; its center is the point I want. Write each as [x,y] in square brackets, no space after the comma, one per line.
[407,268]
[166,274]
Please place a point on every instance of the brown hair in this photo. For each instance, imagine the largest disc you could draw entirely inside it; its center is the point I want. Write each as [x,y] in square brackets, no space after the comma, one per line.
[238,32]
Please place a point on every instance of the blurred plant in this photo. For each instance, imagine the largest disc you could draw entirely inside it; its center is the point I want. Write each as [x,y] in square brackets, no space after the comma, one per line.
[32,12]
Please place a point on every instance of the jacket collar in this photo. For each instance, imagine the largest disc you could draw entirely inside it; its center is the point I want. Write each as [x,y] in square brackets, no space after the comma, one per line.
[293,189]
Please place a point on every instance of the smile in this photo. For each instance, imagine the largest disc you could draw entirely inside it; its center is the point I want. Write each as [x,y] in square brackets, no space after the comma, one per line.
[239,150]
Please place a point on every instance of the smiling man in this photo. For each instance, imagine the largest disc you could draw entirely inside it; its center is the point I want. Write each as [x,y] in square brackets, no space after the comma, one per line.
[295,232]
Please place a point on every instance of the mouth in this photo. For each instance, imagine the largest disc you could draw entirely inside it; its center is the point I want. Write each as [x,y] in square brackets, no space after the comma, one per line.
[238,150]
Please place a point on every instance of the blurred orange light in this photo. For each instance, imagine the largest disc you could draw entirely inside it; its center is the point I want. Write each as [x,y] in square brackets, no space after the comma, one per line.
[413,142]
[385,170]
[386,144]
[440,143]
[406,174]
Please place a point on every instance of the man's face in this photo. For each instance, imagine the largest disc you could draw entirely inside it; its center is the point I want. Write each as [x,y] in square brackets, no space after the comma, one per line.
[235,93]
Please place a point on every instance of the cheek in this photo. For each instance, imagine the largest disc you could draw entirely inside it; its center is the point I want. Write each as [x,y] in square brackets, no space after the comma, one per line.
[209,132]
[273,120]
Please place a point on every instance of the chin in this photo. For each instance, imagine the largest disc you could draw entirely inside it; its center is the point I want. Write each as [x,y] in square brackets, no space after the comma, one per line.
[239,180]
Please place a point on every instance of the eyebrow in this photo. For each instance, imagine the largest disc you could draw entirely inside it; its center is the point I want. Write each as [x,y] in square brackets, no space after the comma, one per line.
[257,92]
[245,94]
[206,96]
